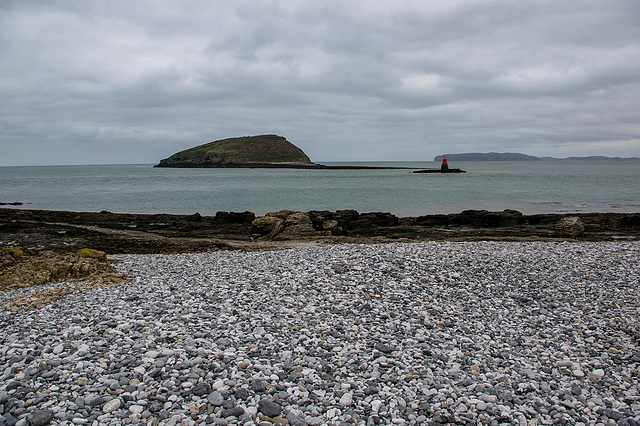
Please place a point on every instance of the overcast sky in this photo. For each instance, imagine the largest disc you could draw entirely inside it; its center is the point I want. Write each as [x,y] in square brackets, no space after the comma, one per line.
[108,81]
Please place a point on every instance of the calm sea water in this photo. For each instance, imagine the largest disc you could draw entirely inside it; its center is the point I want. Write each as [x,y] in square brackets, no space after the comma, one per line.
[530,187]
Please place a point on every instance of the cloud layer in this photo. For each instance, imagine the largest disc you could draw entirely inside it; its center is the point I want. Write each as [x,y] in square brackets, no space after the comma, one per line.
[121,82]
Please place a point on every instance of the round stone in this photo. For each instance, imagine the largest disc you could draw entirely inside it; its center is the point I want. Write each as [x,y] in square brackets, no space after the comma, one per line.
[216,399]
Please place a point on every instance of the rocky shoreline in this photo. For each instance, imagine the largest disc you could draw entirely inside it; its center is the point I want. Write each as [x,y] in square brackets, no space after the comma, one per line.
[62,231]
[428,333]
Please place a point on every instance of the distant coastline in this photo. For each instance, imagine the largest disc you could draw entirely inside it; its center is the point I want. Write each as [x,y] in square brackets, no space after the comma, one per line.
[515,156]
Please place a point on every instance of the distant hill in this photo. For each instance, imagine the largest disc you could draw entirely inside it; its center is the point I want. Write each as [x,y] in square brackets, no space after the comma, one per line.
[247,151]
[511,156]
[489,156]
[592,158]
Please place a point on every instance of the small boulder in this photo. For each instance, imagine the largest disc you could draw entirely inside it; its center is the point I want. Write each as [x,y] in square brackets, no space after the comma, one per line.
[571,226]
[266,225]
[345,217]
[331,225]
[380,219]
[92,254]
[298,224]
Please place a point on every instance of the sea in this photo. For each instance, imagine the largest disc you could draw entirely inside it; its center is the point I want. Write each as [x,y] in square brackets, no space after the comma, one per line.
[529,187]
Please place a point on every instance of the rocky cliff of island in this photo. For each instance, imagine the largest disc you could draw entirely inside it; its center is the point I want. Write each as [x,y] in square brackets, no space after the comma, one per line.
[246,151]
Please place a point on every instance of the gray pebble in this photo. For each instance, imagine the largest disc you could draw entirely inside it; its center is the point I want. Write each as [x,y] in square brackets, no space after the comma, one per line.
[269,408]
[41,418]
[216,399]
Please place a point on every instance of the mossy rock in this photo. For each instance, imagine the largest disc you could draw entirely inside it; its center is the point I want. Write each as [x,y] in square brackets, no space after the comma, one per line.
[45,267]
[92,254]
[14,252]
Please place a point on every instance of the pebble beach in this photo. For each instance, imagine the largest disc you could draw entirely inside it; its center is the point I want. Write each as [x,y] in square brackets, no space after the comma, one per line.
[526,333]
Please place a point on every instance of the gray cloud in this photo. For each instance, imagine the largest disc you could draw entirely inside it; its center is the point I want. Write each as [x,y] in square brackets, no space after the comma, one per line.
[115,82]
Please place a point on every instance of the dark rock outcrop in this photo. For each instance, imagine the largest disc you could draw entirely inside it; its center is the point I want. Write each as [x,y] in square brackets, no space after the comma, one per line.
[630,221]
[287,224]
[132,233]
[487,218]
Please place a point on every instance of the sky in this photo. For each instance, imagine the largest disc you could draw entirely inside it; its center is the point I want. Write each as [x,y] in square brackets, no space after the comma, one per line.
[121,82]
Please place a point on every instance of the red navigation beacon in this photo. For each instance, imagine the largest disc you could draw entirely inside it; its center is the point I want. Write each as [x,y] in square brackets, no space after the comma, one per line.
[445,165]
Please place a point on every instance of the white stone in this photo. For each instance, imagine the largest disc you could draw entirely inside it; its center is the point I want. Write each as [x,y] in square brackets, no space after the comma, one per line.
[504,408]
[83,349]
[136,409]
[596,375]
[152,354]
[331,413]
[347,399]
[489,398]
[111,406]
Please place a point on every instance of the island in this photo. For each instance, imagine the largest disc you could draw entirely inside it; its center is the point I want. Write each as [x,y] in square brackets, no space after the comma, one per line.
[262,151]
